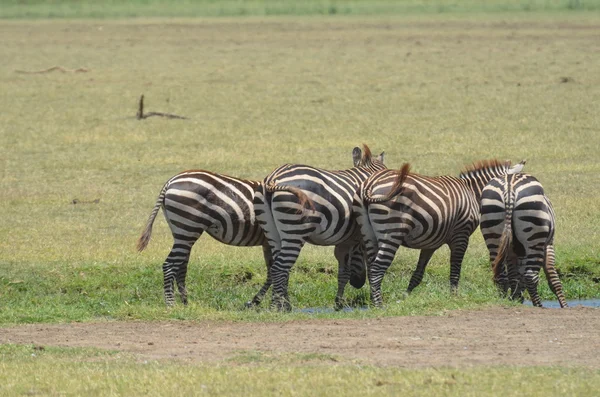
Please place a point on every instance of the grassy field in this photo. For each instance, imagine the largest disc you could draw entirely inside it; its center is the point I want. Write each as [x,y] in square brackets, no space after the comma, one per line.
[209,8]
[437,90]
[29,370]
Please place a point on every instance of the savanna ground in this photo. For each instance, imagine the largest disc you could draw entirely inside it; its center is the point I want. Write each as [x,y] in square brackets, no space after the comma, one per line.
[82,312]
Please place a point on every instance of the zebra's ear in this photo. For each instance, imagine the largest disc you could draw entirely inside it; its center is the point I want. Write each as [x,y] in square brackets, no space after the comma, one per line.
[517,168]
[380,157]
[356,156]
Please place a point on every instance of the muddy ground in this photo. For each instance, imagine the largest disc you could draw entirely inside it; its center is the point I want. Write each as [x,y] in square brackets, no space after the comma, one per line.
[497,336]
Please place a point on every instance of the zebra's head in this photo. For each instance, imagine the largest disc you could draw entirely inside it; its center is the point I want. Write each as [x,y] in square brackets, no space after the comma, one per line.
[356,156]
[517,168]
[365,159]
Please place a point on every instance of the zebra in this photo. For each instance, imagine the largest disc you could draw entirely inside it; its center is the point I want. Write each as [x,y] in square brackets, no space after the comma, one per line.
[331,223]
[395,208]
[199,201]
[517,223]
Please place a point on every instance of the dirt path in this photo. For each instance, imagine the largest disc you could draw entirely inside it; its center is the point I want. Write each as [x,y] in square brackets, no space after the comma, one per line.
[522,336]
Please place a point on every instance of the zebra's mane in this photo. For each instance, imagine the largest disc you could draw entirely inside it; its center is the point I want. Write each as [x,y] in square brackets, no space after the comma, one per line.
[367,157]
[484,165]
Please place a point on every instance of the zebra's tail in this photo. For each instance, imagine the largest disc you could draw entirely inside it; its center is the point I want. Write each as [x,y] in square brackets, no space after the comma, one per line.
[145,237]
[395,190]
[505,240]
[304,199]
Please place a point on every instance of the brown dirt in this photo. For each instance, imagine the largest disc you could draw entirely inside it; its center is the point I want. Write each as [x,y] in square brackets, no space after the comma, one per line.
[498,336]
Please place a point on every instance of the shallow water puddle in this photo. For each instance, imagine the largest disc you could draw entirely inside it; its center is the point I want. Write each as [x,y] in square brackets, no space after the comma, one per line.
[571,303]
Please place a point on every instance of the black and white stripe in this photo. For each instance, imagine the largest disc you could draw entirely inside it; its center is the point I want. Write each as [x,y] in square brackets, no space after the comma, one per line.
[518,223]
[331,222]
[398,208]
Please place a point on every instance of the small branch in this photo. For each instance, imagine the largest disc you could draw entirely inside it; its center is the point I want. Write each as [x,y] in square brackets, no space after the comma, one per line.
[52,69]
[140,113]
[167,115]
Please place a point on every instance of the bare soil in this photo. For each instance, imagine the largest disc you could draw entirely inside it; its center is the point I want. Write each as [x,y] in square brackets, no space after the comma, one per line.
[497,336]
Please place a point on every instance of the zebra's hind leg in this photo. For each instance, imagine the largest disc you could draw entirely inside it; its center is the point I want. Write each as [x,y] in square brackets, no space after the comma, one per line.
[502,282]
[175,270]
[509,278]
[531,278]
[255,302]
[180,275]
[458,247]
[552,276]
[377,269]
[280,272]
[419,272]
[169,283]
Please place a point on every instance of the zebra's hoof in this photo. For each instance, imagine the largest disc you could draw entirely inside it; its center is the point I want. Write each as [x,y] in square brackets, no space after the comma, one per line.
[282,306]
[403,297]
[252,305]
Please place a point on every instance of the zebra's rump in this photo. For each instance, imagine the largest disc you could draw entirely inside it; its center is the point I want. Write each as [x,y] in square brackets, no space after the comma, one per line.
[532,218]
[331,221]
[197,201]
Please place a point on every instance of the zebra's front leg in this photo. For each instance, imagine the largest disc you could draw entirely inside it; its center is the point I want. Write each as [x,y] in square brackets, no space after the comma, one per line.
[280,273]
[552,276]
[358,267]
[417,275]
[504,277]
[342,254]
[255,302]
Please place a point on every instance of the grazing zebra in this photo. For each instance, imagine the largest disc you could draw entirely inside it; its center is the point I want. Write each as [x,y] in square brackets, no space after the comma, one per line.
[517,223]
[197,201]
[397,208]
[331,223]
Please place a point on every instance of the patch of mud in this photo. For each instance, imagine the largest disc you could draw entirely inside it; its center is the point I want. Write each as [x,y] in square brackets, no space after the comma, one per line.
[497,336]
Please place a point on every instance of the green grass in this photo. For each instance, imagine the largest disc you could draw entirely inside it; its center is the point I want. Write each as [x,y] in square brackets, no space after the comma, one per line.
[212,8]
[439,93]
[29,370]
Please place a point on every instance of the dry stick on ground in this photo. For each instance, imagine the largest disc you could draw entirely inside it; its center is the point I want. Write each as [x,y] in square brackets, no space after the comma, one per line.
[52,69]
[140,114]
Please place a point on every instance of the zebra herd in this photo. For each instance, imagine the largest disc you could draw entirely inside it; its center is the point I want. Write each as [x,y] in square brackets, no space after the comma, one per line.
[367,212]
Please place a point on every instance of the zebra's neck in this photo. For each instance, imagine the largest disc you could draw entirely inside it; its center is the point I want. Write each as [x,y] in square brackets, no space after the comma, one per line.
[358,175]
[477,179]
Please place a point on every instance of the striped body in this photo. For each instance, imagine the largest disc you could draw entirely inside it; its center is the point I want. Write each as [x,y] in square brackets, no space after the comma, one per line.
[403,209]
[517,223]
[330,223]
